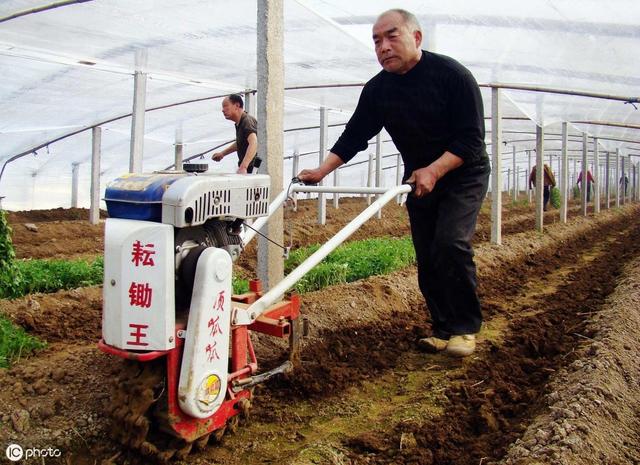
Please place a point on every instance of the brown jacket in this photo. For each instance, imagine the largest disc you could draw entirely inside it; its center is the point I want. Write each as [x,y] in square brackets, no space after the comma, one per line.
[549,179]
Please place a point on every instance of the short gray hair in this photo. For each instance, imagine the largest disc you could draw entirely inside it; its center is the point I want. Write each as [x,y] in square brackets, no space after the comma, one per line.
[409,18]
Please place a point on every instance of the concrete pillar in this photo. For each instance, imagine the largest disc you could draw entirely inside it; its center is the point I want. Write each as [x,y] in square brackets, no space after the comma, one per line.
[529,191]
[379,168]
[496,166]
[623,194]
[250,103]
[539,178]
[179,153]
[336,182]
[596,177]
[270,50]
[564,173]
[607,180]
[627,190]
[369,177]
[509,192]
[178,148]
[399,176]
[585,182]
[575,171]
[632,182]
[324,135]
[75,175]
[636,181]
[628,170]
[94,207]
[515,175]
[295,169]
[138,113]
[625,174]
[617,177]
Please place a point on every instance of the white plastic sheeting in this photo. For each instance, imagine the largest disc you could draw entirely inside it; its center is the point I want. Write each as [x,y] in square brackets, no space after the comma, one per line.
[72,67]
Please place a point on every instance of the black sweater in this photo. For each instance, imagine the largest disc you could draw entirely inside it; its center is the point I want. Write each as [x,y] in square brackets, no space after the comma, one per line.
[434,107]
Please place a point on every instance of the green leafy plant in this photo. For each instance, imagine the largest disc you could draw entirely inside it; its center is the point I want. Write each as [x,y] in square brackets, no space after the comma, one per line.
[53,275]
[555,197]
[15,342]
[10,278]
[240,286]
[352,261]
[323,275]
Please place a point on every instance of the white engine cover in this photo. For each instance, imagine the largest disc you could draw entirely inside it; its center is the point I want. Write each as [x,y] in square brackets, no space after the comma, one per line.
[192,200]
[203,375]
[139,284]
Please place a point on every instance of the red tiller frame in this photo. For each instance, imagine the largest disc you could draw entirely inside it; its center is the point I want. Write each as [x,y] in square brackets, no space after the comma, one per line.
[188,427]
[139,356]
[275,322]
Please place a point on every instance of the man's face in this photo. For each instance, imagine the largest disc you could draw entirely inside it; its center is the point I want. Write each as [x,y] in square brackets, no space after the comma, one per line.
[397,48]
[229,109]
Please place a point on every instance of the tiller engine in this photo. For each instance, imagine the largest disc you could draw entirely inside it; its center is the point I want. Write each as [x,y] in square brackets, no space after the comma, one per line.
[170,311]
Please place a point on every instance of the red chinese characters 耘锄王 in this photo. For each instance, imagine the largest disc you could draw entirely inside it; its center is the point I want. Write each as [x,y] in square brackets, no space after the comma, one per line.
[142,254]
[140,295]
[138,335]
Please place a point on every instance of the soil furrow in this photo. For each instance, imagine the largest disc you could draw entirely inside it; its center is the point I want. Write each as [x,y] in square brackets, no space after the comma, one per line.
[500,389]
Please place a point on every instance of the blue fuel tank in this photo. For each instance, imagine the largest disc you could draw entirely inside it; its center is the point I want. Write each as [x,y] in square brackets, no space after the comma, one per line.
[139,196]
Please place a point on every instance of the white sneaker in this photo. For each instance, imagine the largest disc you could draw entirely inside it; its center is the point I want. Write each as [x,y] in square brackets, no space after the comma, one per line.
[462,345]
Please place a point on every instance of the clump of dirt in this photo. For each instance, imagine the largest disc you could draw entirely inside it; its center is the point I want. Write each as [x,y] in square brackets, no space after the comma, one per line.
[71,315]
[59,239]
[345,355]
[56,399]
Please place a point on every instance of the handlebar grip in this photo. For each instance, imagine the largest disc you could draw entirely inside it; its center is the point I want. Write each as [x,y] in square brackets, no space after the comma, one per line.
[297,180]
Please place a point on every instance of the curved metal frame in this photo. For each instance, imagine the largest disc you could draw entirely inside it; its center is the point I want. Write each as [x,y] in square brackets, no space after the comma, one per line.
[332,86]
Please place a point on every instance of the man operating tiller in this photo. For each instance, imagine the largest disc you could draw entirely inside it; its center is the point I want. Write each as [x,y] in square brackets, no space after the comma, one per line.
[432,108]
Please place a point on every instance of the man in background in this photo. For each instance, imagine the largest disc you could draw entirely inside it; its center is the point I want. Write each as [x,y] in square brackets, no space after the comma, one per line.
[548,182]
[246,143]
[589,182]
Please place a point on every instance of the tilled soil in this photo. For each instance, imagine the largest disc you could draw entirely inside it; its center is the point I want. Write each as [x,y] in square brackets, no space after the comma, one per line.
[501,388]
[590,413]
[364,393]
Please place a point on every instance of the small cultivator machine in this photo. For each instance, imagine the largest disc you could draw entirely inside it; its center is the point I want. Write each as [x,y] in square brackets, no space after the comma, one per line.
[169,310]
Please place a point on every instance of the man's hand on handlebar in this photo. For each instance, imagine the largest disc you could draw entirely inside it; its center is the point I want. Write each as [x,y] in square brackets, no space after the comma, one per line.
[310,176]
[425,181]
